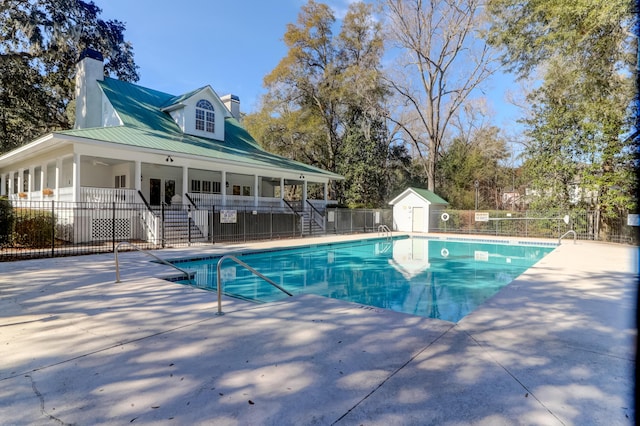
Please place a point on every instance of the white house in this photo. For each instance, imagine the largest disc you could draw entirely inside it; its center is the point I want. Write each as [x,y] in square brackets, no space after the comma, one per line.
[132,144]
[413,208]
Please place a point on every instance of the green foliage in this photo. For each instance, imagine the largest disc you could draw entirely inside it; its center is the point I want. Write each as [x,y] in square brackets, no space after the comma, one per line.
[465,162]
[33,228]
[7,218]
[583,111]
[325,102]
[40,43]
[363,158]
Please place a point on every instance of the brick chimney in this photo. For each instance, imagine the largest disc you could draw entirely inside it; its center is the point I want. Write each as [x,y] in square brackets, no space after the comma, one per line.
[89,70]
[232,102]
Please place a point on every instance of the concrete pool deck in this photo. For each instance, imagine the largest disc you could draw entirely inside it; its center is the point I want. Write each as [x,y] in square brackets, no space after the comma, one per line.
[554,347]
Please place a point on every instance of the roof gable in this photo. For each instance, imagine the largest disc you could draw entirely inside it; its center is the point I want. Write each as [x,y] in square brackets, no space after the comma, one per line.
[206,92]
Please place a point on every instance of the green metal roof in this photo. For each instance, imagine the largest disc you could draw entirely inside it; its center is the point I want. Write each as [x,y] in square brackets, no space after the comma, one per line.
[429,196]
[145,125]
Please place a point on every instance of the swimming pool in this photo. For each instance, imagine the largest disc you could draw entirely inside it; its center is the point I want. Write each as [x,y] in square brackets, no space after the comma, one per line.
[420,276]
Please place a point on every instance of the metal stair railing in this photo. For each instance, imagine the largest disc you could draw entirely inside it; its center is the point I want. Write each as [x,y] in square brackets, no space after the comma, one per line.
[249,268]
[387,232]
[571,231]
[316,216]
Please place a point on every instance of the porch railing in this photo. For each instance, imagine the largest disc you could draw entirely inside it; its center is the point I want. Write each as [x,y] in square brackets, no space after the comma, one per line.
[108,195]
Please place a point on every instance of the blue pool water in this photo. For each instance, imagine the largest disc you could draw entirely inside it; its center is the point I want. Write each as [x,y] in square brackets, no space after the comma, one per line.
[419,276]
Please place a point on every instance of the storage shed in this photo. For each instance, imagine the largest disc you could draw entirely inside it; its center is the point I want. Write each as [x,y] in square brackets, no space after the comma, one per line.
[413,208]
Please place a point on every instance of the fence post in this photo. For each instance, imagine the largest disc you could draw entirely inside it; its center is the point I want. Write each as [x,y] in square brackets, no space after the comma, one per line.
[351,222]
[162,223]
[189,225]
[53,229]
[113,226]
[212,221]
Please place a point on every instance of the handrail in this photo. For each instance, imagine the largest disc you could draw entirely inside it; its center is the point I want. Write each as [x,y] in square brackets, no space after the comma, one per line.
[571,231]
[291,207]
[249,268]
[188,275]
[386,230]
[188,197]
[144,200]
[315,212]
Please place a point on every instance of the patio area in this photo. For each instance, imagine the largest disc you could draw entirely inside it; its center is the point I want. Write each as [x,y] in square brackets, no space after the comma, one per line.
[554,347]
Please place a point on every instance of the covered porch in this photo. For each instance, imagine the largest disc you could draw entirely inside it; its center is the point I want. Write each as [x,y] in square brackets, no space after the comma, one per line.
[159,179]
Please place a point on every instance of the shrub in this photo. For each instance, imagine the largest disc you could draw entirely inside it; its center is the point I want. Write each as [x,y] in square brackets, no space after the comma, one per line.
[33,228]
[7,218]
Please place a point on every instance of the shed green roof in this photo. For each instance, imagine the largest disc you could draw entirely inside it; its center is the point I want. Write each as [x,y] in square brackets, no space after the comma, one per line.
[429,196]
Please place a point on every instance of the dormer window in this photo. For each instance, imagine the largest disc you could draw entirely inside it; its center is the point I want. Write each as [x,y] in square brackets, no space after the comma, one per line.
[205,116]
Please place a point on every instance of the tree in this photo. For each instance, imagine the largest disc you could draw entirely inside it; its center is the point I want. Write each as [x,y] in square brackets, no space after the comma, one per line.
[443,60]
[324,102]
[40,42]
[582,112]
[471,158]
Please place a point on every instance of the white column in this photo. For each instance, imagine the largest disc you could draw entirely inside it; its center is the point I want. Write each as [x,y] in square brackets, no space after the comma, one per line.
[281,191]
[32,172]
[185,183]
[326,192]
[304,194]
[20,187]
[3,184]
[223,188]
[255,187]
[76,178]
[138,175]
[57,178]
[11,187]
[43,177]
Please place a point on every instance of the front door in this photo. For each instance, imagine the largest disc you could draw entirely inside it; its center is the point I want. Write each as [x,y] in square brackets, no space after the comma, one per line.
[418,219]
[154,191]
[169,190]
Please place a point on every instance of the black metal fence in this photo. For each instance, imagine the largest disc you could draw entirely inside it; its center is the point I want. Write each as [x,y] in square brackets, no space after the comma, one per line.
[348,221]
[50,228]
[551,224]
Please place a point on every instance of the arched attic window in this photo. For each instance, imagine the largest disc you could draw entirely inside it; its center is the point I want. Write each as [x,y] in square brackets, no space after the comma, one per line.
[205,116]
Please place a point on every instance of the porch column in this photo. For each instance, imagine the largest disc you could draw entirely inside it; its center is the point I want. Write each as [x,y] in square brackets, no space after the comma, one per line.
[57,177]
[185,184]
[304,194]
[32,172]
[43,176]
[223,190]
[281,191]
[20,187]
[3,184]
[326,192]
[76,178]
[10,184]
[255,193]
[138,175]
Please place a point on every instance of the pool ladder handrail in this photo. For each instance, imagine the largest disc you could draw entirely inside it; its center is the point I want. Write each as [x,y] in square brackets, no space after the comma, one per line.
[187,274]
[249,268]
[387,232]
[571,231]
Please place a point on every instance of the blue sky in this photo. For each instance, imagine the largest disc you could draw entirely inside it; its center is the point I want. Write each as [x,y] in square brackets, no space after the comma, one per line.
[228,44]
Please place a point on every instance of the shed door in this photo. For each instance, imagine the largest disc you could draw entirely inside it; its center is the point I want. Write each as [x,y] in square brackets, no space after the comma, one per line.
[418,219]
